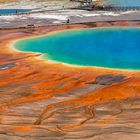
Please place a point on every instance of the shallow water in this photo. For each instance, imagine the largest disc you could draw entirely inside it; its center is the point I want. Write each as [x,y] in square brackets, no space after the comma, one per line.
[12,11]
[108,47]
[123,3]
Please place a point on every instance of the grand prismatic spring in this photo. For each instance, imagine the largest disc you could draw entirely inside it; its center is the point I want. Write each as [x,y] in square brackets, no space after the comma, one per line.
[105,47]
[69,70]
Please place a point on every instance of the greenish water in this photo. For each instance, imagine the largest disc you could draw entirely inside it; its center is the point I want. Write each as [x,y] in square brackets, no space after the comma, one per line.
[13,11]
[108,47]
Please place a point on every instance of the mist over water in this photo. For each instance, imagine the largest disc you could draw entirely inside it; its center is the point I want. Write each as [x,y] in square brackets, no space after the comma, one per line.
[108,47]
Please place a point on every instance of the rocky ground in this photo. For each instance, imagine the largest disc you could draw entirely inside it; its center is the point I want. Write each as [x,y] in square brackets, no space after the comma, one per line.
[60,17]
[57,12]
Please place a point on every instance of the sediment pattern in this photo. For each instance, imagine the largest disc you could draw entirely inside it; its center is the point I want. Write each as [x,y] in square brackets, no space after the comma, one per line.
[43,101]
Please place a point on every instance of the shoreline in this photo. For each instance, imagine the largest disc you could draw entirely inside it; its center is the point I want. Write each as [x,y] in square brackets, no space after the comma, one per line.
[78,23]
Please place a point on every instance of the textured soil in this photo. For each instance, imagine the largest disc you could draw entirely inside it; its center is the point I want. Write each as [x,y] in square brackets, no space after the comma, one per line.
[44,101]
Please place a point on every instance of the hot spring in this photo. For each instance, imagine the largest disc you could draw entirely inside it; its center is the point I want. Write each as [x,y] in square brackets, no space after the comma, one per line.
[103,47]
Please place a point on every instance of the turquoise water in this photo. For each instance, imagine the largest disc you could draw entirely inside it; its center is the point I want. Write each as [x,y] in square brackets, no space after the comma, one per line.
[123,3]
[108,47]
[13,11]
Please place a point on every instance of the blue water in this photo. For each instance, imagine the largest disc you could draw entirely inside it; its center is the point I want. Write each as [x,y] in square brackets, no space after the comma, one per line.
[123,3]
[108,47]
[12,11]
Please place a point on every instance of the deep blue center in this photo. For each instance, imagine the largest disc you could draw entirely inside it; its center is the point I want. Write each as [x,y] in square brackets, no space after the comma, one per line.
[108,47]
